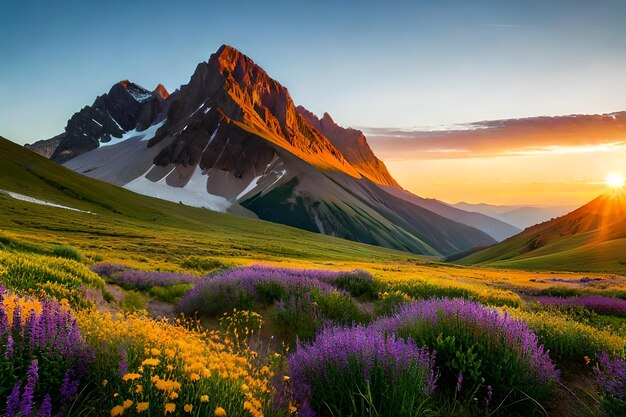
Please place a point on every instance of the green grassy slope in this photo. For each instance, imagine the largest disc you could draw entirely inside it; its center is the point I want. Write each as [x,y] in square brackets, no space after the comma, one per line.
[590,239]
[128,225]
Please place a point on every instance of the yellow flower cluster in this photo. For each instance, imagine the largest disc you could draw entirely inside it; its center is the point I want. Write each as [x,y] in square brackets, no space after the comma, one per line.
[177,366]
[27,305]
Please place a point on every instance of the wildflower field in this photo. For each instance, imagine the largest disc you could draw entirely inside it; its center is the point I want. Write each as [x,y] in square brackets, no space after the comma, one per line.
[253,337]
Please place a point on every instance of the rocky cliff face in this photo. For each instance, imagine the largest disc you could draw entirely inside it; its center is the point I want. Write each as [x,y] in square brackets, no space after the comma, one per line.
[125,107]
[353,145]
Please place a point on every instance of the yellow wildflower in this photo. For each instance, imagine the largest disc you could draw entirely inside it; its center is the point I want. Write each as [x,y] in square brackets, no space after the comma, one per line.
[127,403]
[194,377]
[188,408]
[220,412]
[285,378]
[155,352]
[204,399]
[151,362]
[131,377]
[118,410]
[169,408]
[173,395]
[139,389]
[292,408]
[141,407]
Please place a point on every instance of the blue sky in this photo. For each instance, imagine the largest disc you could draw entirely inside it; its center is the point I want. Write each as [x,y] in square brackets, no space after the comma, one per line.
[368,63]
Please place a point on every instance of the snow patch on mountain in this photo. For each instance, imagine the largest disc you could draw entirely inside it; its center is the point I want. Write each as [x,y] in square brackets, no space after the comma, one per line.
[28,199]
[144,135]
[194,193]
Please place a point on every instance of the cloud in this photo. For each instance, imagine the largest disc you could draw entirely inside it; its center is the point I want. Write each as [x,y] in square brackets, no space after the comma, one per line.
[514,137]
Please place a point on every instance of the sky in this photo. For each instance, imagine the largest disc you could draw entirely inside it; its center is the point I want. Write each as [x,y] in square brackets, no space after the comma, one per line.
[399,66]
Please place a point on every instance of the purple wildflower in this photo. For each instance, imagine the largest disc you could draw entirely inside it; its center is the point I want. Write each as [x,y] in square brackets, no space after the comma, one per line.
[46,407]
[260,283]
[610,374]
[26,405]
[13,401]
[592,302]
[69,388]
[459,382]
[356,354]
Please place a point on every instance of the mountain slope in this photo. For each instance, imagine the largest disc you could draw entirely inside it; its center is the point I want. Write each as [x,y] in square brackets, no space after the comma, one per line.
[170,230]
[591,238]
[233,140]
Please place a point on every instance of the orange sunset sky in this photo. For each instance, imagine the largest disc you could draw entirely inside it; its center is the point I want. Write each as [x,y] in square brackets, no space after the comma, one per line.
[538,161]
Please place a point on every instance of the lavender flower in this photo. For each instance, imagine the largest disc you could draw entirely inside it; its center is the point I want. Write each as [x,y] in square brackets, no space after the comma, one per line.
[610,374]
[459,382]
[46,407]
[593,302]
[13,400]
[497,331]
[69,388]
[26,405]
[341,358]
[262,284]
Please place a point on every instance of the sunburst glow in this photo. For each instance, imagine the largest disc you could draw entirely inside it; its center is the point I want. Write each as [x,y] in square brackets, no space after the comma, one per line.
[614,181]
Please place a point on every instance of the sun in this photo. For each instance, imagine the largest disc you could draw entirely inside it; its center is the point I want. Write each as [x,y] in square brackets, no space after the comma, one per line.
[614,181]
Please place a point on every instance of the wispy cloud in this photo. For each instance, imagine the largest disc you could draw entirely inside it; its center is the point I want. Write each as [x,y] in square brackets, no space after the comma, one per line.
[516,137]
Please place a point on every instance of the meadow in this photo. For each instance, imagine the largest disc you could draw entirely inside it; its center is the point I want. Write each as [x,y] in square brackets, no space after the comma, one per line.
[144,307]
[362,339]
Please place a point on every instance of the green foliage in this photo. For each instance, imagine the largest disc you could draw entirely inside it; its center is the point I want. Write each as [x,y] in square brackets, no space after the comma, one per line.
[67,252]
[389,302]
[567,339]
[204,265]
[171,293]
[339,309]
[133,301]
[45,275]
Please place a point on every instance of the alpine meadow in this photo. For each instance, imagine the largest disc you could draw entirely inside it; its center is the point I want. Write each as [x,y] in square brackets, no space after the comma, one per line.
[450,242]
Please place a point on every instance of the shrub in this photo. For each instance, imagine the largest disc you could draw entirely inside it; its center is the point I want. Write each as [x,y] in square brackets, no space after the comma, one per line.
[389,302]
[106,269]
[425,289]
[358,283]
[43,358]
[567,339]
[67,252]
[45,275]
[359,371]
[339,308]
[610,374]
[137,279]
[297,317]
[170,294]
[204,265]
[483,345]
[242,287]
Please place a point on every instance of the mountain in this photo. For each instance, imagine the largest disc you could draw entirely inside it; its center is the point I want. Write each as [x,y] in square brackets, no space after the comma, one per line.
[591,238]
[233,140]
[121,224]
[125,107]
[518,216]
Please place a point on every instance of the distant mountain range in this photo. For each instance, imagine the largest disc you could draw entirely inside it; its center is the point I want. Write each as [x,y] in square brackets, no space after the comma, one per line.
[518,216]
[233,140]
[590,238]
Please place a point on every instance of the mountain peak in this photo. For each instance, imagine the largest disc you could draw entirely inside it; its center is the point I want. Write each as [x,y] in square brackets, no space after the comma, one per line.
[161,91]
